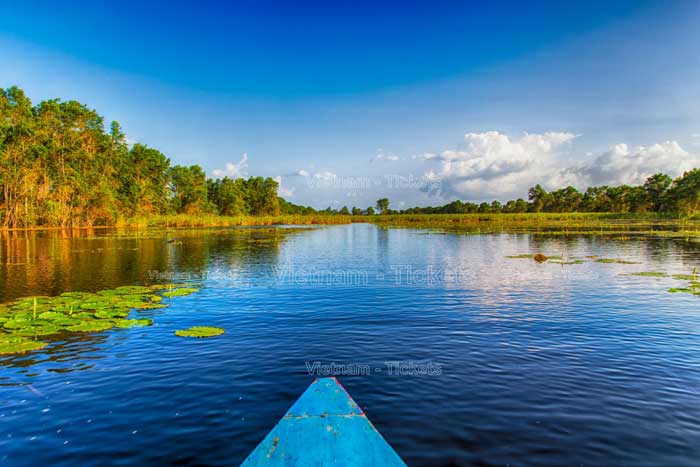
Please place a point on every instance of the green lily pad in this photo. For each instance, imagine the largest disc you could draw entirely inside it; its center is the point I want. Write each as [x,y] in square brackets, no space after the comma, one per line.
[111,313]
[51,315]
[95,305]
[16,344]
[30,331]
[91,326]
[132,290]
[199,331]
[145,305]
[132,323]
[67,321]
[83,315]
[16,323]
[180,292]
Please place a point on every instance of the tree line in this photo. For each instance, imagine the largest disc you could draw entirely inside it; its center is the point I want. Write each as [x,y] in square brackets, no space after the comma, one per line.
[659,193]
[59,166]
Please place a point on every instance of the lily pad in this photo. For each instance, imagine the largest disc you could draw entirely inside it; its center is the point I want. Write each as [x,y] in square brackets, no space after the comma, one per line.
[91,326]
[30,331]
[67,321]
[111,313]
[199,331]
[95,305]
[132,290]
[16,344]
[51,315]
[132,323]
[180,292]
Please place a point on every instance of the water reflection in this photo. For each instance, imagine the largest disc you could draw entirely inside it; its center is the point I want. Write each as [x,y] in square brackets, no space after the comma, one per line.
[54,261]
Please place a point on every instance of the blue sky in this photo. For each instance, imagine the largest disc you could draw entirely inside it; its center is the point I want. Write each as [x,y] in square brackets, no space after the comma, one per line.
[423,102]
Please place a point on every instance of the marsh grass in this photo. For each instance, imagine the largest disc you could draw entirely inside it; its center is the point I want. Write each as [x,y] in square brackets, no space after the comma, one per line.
[621,226]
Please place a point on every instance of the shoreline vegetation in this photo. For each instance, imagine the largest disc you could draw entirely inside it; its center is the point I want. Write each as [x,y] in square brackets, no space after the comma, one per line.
[612,224]
[61,168]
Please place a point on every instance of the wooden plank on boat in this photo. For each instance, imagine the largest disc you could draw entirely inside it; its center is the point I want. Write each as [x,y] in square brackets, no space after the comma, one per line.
[324,427]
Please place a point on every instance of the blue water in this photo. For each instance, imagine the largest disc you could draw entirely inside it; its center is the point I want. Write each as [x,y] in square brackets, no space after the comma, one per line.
[539,364]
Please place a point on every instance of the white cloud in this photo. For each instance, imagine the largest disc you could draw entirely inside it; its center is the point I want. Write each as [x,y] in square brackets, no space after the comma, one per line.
[622,165]
[490,164]
[382,156]
[233,170]
[282,190]
[324,176]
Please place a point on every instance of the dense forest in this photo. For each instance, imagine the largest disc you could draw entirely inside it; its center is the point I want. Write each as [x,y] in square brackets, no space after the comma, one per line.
[59,166]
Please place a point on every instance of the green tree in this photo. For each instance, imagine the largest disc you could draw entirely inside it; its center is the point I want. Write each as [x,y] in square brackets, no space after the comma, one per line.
[383,205]
[656,188]
[538,197]
[188,188]
[229,196]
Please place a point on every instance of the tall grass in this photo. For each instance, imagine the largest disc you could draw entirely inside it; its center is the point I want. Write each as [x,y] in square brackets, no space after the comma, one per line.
[188,220]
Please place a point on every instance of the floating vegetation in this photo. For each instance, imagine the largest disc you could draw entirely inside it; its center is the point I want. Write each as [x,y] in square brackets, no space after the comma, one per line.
[18,344]
[680,290]
[614,261]
[684,277]
[180,292]
[78,312]
[91,326]
[648,274]
[199,331]
[523,256]
[133,323]
[540,258]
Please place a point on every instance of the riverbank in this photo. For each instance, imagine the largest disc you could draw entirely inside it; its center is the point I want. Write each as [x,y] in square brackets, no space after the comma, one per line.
[650,224]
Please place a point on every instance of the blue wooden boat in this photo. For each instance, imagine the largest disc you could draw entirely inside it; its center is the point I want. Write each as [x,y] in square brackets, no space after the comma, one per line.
[324,427]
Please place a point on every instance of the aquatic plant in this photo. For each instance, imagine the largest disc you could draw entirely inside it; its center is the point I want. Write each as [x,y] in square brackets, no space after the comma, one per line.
[540,258]
[614,261]
[680,290]
[199,331]
[648,274]
[684,277]
[17,344]
[91,326]
[180,292]
[131,323]
[79,312]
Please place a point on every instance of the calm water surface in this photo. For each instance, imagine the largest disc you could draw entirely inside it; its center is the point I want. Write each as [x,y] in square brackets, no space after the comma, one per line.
[541,364]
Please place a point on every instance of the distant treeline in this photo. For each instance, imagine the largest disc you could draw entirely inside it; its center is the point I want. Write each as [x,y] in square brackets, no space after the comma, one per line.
[659,193]
[60,167]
